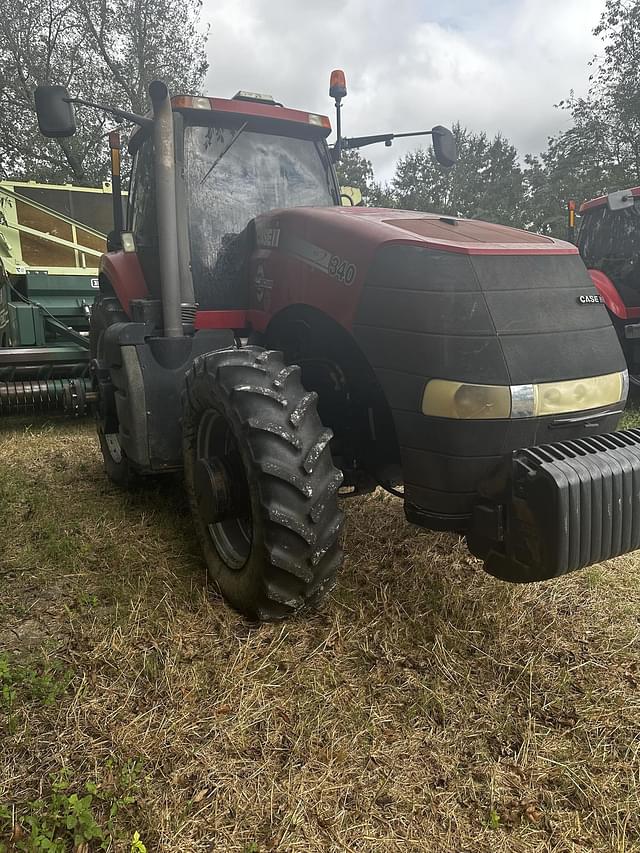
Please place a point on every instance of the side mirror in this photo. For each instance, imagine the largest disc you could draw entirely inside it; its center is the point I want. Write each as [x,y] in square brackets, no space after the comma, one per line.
[55,113]
[444,146]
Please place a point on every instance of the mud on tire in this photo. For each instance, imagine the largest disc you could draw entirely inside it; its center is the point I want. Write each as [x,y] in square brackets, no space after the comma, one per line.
[247,405]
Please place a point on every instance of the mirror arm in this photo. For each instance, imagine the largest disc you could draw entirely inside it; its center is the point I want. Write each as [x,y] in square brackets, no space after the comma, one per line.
[123,115]
[387,138]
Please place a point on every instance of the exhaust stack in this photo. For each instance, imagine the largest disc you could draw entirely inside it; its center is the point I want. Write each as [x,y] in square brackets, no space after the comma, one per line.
[165,174]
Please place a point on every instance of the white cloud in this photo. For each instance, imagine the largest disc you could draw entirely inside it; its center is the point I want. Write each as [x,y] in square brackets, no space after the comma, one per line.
[410,64]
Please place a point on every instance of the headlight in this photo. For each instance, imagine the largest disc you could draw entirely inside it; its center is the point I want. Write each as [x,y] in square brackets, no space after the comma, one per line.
[466,401]
[576,395]
[446,399]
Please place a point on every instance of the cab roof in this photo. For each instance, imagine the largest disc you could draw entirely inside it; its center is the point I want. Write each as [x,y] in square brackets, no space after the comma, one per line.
[256,107]
[602,200]
[244,105]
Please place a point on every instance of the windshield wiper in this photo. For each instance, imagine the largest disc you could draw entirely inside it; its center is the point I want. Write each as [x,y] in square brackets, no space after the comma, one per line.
[223,152]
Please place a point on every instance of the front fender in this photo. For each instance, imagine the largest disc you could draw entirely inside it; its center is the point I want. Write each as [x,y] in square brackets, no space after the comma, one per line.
[124,273]
[609,293]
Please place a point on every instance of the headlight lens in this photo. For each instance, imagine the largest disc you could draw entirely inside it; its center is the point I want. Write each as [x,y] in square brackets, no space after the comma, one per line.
[466,401]
[576,395]
[446,399]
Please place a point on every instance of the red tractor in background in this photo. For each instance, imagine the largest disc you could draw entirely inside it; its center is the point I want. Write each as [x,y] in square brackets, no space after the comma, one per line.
[283,350]
[609,242]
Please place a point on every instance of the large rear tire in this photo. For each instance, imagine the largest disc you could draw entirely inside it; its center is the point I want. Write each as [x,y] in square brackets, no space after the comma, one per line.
[105,312]
[261,482]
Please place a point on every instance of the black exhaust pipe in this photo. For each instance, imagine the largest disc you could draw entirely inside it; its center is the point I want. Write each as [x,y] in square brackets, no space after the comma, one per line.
[165,174]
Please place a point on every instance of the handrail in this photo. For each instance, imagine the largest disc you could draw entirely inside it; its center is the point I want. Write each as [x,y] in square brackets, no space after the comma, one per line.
[43,235]
[43,207]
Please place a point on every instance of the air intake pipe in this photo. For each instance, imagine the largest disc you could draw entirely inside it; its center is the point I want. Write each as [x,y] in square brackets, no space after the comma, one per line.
[165,175]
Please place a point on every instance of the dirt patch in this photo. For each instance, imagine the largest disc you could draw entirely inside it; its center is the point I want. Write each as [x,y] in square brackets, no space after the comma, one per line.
[426,707]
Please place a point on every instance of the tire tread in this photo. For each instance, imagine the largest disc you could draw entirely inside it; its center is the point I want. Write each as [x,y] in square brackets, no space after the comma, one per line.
[292,465]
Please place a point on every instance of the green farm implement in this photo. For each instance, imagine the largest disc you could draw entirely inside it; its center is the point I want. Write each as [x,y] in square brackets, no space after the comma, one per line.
[51,240]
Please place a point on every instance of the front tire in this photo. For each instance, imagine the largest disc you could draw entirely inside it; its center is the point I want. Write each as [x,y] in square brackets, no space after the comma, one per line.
[261,482]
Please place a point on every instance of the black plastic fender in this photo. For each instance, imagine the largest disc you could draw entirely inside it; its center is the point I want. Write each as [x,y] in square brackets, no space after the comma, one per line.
[148,375]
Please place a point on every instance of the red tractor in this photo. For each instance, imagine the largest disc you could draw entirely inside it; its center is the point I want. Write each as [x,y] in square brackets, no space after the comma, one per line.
[283,350]
[609,242]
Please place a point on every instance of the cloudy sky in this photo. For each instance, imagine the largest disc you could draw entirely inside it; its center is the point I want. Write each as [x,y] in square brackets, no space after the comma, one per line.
[495,65]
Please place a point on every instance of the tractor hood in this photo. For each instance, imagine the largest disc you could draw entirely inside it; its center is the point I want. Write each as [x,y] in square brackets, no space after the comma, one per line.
[371,227]
[427,297]
[441,231]
[474,301]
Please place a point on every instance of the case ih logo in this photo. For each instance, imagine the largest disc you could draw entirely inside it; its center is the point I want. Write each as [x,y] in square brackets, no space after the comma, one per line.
[590,298]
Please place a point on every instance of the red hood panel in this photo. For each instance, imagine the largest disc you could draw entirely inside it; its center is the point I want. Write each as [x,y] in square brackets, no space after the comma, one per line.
[467,232]
[466,236]
[321,256]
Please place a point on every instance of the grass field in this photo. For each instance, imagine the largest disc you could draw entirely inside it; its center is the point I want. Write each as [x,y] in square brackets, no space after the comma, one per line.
[427,707]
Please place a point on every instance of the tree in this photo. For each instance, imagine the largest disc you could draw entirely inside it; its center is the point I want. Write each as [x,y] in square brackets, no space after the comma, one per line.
[485,183]
[568,169]
[613,102]
[354,170]
[600,152]
[101,50]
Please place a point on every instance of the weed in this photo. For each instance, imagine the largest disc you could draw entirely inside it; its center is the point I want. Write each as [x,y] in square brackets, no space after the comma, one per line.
[87,600]
[44,685]
[136,844]
[7,688]
[494,820]
[66,819]
[22,684]
[57,823]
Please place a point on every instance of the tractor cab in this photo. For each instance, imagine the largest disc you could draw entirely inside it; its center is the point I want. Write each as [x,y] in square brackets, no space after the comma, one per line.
[236,159]
[609,243]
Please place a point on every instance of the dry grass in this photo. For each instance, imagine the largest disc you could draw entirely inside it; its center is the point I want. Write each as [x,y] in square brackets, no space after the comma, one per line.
[428,707]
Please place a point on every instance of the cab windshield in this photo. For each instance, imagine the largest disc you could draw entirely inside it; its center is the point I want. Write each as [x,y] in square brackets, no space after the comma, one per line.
[234,173]
[609,240]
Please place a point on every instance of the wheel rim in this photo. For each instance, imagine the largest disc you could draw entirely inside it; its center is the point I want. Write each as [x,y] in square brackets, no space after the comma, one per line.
[219,461]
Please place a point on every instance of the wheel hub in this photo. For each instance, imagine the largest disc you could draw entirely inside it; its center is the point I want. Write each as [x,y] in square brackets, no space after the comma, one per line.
[212,490]
[221,490]
[217,497]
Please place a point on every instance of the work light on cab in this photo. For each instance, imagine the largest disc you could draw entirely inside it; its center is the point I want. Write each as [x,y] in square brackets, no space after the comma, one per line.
[258,97]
